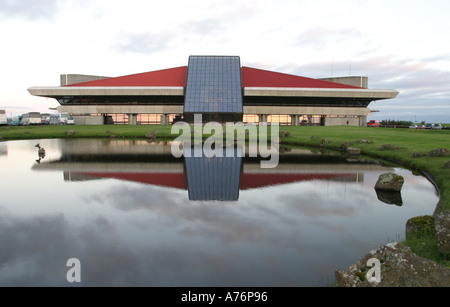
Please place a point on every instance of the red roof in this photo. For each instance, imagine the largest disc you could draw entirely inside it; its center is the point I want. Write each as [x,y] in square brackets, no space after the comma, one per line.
[172,180]
[252,77]
[166,77]
[254,181]
[248,181]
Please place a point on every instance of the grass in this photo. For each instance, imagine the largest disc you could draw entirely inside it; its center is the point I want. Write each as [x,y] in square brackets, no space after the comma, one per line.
[408,141]
[413,148]
[43,132]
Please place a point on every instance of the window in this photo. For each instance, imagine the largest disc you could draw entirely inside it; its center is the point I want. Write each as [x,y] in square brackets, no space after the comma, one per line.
[213,86]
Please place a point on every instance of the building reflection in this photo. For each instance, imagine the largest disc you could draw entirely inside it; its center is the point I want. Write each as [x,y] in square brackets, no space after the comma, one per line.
[205,177]
[3,149]
[213,177]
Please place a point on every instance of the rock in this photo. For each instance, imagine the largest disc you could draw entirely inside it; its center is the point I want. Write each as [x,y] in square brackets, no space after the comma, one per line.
[390,197]
[323,142]
[418,154]
[113,136]
[398,267]
[69,133]
[363,140]
[442,228]
[150,135]
[353,150]
[390,182]
[284,134]
[346,144]
[419,224]
[440,152]
[446,165]
[314,137]
[108,131]
[388,147]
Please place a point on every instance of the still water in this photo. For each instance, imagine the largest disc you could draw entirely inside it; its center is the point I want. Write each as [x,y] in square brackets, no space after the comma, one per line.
[136,216]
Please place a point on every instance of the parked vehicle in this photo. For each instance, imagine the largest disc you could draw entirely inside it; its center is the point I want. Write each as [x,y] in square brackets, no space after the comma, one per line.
[3,118]
[413,127]
[433,126]
[45,118]
[373,123]
[16,120]
[436,126]
[32,118]
[61,119]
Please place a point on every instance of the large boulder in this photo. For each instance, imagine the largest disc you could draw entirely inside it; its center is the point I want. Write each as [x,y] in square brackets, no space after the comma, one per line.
[440,152]
[390,182]
[150,135]
[364,140]
[388,147]
[442,228]
[353,150]
[446,165]
[419,225]
[398,266]
[418,154]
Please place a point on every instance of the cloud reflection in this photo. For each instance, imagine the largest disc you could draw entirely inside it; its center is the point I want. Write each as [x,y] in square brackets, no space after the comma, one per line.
[135,234]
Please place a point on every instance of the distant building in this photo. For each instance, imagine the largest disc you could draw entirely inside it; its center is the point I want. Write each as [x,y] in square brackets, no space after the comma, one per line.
[220,89]
[3,118]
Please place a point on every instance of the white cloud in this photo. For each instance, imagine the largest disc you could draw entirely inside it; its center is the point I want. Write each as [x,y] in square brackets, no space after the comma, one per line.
[28,9]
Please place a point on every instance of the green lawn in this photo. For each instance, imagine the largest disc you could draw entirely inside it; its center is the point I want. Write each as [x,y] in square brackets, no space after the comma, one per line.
[42,132]
[408,141]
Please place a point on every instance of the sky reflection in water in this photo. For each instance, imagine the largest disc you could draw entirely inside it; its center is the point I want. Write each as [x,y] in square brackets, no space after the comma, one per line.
[132,233]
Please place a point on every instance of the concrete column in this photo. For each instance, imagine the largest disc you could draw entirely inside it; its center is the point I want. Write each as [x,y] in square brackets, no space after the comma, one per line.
[164,119]
[363,121]
[132,119]
[294,120]
[262,118]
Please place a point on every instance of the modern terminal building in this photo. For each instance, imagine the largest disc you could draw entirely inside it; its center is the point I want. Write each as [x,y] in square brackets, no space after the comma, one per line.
[220,89]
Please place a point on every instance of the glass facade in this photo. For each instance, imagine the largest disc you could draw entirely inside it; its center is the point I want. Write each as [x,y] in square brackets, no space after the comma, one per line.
[213,178]
[214,88]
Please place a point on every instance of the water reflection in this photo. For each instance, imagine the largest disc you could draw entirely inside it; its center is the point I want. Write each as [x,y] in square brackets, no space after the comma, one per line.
[127,211]
[390,198]
[3,149]
[206,177]
[213,177]
[41,152]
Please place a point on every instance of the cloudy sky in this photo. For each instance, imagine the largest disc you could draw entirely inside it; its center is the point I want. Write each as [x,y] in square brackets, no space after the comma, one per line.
[401,44]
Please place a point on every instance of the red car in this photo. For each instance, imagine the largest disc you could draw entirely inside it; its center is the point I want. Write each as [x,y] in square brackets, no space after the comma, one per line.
[373,123]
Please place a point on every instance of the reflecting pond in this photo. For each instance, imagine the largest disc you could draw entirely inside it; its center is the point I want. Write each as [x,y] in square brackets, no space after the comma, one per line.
[136,216]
